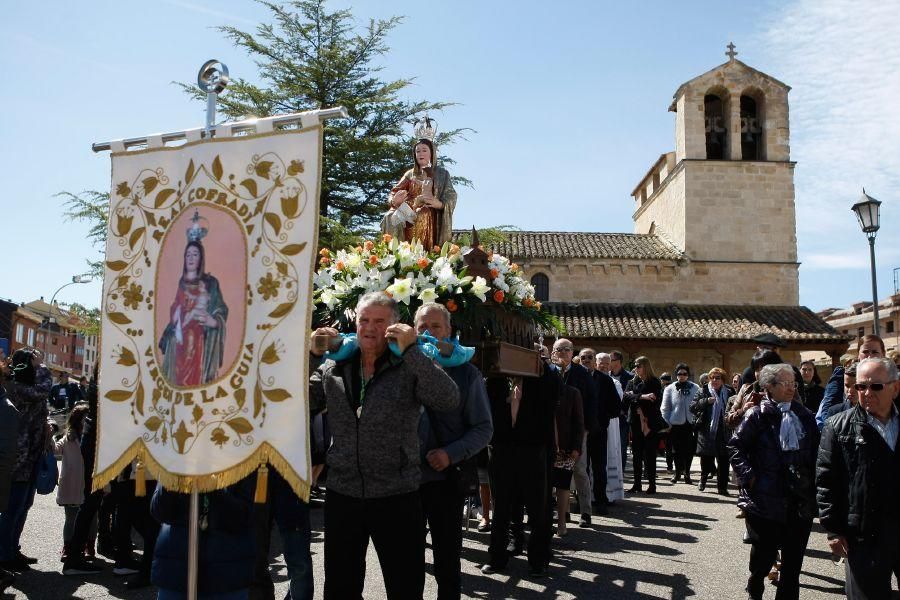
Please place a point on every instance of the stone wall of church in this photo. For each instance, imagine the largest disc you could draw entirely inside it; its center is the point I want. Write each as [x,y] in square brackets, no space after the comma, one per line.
[663,282]
[740,211]
[664,210]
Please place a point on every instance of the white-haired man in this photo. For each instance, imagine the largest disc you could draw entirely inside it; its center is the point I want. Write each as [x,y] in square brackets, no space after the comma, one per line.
[374,399]
[858,482]
[446,439]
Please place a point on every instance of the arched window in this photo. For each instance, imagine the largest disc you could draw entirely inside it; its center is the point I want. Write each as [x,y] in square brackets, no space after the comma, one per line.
[541,287]
[751,130]
[716,127]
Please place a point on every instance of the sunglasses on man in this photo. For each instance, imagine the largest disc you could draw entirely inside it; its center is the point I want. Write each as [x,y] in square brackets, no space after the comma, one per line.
[876,387]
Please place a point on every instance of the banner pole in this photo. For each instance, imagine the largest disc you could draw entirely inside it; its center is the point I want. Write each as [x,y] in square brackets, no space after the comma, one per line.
[212,79]
[193,544]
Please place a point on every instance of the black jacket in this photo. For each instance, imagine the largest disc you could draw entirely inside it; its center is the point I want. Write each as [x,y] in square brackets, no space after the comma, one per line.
[703,412]
[610,403]
[775,484]
[633,391]
[580,378]
[537,410]
[857,478]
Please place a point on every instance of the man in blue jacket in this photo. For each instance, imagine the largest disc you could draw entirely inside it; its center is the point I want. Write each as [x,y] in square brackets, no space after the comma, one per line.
[65,394]
[446,439]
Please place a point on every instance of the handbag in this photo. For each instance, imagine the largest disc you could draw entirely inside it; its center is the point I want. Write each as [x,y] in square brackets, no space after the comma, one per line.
[47,474]
[463,474]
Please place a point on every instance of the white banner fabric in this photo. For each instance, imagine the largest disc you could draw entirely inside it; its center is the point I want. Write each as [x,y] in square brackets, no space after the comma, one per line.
[206,307]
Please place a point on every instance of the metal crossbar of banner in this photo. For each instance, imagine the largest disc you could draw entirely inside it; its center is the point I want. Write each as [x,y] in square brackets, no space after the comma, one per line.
[213,79]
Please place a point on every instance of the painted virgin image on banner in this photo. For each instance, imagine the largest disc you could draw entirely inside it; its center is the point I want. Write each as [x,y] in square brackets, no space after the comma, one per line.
[193,319]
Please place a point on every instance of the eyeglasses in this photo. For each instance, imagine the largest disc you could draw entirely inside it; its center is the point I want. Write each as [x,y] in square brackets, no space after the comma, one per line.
[587,357]
[563,349]
[787,384]
[715,378]
[681,374]
[876,387]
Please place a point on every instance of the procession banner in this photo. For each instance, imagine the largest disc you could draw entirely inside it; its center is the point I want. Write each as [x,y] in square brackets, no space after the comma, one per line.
[206,308]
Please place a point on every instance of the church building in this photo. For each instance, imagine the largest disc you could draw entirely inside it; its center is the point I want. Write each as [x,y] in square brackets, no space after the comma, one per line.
[682,287]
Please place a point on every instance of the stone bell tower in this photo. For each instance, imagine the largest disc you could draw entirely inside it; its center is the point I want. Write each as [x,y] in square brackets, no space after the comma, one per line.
[726,194]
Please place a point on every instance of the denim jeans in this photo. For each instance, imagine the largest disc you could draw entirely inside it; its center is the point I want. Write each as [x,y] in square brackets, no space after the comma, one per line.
[12,521]
[295,540]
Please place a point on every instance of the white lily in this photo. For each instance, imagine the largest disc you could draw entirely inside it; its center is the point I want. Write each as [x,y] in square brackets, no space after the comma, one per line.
[401,290]
[428,296]
[480,287]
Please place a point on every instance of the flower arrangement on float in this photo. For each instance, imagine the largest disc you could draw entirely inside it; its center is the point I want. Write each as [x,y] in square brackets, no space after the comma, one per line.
[413,276]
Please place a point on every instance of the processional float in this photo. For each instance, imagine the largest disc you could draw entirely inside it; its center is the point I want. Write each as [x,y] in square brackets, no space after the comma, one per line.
[211,247]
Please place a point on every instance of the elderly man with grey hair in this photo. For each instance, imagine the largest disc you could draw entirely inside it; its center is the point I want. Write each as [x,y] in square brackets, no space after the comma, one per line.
[773,453]
[446,440]
[858,482]
[374,398]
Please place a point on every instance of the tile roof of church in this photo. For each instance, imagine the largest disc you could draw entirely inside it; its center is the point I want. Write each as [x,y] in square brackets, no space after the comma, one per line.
[564,244]
[794,324]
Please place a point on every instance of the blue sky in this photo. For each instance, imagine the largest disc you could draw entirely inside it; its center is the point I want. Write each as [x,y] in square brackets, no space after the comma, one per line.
[569,110]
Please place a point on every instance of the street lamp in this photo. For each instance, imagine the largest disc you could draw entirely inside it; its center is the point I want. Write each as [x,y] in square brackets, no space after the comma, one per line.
[84,278]
[868,212]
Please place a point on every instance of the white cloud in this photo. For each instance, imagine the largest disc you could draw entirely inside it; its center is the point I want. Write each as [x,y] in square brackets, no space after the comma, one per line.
[842,60]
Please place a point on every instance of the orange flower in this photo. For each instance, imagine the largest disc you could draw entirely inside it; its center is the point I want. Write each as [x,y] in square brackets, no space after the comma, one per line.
[388,294]
[537,305]
[422,262]
[436,249]
[528,301]
[514,267]
[369,244]
[373,260]
[325,261]
[451,306]
[339,265]
[498,296]
[359,249]
[325,252]
[495,273]
[454,249]
[386,238]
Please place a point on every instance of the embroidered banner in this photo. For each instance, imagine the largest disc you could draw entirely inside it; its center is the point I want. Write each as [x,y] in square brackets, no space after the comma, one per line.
[206,308]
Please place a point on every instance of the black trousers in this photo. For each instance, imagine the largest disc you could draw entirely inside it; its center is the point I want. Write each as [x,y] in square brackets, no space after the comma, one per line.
[596,447]
[394,524]
[767,537]
[643,452]
[441,503]
[869,566]
[683,444]
[520,471]
[80,533]
[717,465]
[133,511]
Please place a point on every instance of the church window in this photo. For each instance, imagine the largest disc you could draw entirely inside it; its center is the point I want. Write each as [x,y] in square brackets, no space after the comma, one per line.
[541,285]
[751,130]
[716,128]
[889,327]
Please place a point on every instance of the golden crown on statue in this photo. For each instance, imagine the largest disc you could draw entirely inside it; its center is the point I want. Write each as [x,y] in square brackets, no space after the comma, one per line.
[426,129]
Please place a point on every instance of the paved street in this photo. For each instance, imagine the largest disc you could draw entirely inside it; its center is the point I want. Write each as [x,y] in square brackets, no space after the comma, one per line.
[680,543]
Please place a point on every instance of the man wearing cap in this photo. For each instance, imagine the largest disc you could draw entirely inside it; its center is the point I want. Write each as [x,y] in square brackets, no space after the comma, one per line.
[764,341]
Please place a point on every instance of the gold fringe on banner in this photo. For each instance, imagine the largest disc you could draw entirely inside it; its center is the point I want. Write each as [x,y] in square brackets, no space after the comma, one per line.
[266,454]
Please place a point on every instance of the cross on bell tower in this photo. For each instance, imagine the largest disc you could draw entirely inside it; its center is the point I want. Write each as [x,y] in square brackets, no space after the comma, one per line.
[731,53]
